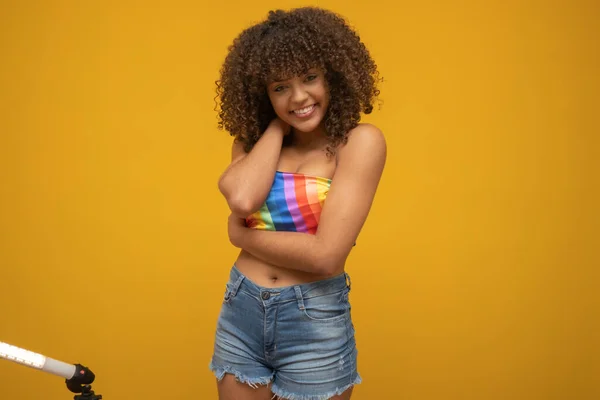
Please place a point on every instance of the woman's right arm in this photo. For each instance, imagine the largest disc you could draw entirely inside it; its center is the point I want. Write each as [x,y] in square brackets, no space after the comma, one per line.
[247,180]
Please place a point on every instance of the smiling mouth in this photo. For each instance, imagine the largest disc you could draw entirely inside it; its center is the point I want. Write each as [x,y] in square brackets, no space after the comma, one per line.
[304,111]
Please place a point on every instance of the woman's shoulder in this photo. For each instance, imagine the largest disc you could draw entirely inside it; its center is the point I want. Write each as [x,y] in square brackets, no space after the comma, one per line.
[364,139]
[366,129]
[365,149]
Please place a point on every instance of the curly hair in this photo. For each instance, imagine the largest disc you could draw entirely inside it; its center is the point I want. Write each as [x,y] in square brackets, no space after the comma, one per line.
[289,43]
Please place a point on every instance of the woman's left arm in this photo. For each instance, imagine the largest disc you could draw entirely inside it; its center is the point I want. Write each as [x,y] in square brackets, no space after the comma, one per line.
[360,166]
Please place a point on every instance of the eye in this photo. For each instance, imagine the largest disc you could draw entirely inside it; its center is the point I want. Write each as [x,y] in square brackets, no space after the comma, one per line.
[311,78]
[278,88]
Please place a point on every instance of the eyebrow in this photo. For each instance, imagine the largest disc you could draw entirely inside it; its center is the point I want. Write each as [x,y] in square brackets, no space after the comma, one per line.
[283,79]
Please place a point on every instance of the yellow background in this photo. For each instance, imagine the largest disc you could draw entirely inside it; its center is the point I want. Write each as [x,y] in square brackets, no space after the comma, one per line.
[475,276]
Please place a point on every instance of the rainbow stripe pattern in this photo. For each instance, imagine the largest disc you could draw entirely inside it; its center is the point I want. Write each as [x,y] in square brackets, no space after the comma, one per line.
[293,204]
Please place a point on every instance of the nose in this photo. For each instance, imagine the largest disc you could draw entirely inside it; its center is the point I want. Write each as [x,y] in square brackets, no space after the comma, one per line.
[299,95]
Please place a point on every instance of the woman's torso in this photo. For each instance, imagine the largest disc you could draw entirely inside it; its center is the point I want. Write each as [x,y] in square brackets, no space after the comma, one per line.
[312,163]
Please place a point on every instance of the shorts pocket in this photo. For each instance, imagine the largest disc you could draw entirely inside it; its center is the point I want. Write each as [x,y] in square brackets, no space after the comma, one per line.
[327,308]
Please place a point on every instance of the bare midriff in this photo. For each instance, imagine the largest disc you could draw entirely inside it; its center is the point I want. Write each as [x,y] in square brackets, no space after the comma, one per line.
[272,276]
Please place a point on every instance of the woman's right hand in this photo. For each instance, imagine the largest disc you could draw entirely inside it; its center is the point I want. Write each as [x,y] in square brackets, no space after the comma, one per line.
[280,125]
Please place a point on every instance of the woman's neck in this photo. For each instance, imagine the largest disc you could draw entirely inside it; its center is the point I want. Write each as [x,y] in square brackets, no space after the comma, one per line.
[308,140]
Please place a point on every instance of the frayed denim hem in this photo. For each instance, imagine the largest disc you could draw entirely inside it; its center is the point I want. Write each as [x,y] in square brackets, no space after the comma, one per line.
[281,394]
[252,382]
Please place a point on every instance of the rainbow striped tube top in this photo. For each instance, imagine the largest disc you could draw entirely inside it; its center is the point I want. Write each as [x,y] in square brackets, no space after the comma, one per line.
[293,204]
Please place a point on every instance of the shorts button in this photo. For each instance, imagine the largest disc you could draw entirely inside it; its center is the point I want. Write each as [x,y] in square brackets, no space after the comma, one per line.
[266,295]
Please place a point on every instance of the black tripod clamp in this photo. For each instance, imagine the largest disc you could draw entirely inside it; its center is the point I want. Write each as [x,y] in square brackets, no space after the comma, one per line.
[81,383]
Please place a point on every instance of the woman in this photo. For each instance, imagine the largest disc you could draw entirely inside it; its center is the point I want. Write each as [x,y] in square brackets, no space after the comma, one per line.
[302,178]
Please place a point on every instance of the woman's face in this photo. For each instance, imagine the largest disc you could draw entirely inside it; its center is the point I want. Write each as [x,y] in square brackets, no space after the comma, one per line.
[300,101]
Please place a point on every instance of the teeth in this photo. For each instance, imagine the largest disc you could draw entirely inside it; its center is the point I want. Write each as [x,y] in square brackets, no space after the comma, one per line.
[304,110]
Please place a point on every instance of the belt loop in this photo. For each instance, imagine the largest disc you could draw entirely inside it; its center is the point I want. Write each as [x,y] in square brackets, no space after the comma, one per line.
[348,281]
[299,297]
[236,285]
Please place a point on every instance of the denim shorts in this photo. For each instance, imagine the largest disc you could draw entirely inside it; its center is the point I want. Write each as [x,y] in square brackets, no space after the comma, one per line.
[298,338]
